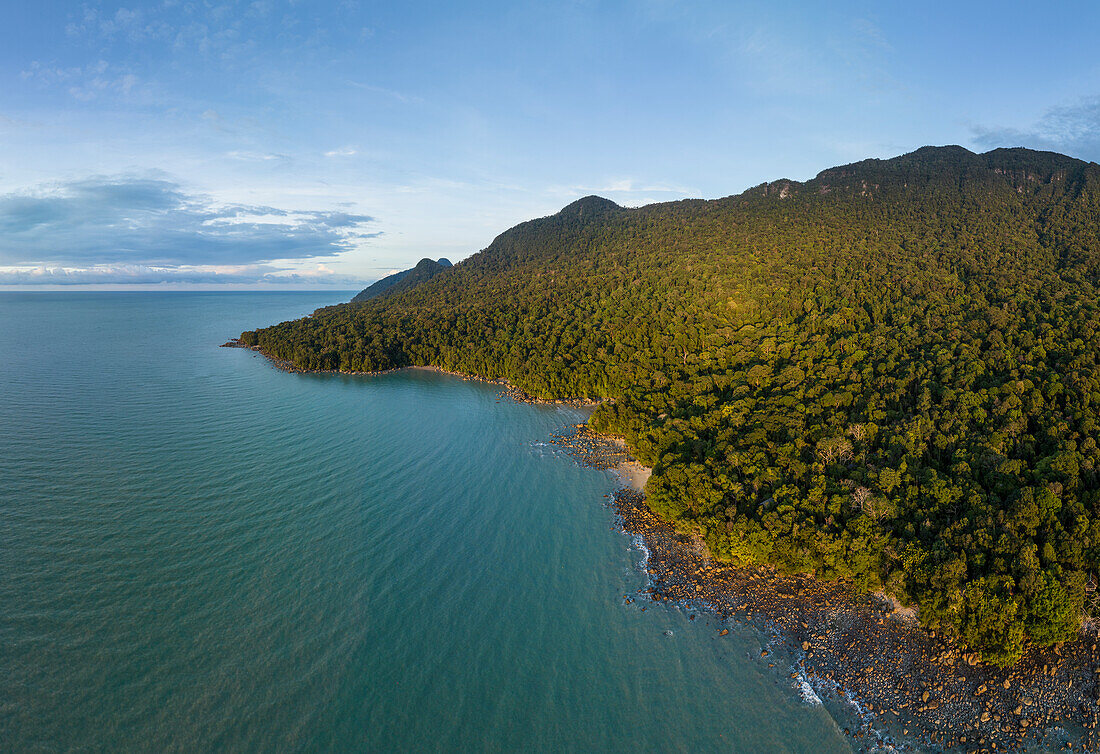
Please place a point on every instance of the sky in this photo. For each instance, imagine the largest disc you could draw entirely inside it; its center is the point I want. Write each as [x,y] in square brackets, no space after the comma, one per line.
[284,143]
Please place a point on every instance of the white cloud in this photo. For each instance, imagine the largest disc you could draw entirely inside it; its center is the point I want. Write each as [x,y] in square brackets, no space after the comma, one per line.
[150,223]
[84,83]
[1073,129]
[248,156]
[135,274]
[408,99]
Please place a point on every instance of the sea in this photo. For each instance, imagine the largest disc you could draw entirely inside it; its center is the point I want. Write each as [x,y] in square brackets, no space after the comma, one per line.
[199,552]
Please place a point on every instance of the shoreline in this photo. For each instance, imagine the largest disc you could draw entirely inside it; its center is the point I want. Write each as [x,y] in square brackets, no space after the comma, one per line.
[510,390]
[912,690]
[906,688]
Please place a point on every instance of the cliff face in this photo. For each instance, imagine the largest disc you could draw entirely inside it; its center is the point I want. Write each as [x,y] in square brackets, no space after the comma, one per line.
[425,270]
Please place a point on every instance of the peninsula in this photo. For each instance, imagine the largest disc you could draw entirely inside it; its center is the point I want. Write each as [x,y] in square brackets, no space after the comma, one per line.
[885,377]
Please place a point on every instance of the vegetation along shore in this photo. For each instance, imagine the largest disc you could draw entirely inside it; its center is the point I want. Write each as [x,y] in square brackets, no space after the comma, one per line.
[883,380]
[907,689]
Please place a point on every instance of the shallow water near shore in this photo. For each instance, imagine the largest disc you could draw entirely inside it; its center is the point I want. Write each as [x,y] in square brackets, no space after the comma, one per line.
[202,552]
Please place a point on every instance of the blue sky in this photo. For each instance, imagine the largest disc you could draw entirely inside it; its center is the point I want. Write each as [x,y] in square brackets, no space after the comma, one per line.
[267,143]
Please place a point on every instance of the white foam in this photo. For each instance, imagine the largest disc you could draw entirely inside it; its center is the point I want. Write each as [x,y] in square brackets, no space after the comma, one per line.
[807,694]
[639,542]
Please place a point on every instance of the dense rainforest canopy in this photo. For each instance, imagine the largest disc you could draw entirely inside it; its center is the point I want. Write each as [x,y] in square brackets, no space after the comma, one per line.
[425,270]
[889,374]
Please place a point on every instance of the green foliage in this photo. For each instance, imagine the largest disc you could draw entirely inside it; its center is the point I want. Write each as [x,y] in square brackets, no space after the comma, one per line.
[888,374]
[425,270]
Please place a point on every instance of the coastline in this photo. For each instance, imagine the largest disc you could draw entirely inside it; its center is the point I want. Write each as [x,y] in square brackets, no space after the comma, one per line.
[903,688]
[906,689]
[511,390]
[908,685]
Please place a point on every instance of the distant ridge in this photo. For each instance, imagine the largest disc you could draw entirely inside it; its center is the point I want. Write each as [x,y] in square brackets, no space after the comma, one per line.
[425,270]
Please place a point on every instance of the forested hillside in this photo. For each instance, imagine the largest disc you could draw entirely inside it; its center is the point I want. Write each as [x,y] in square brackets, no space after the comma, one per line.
[888,374]
[425,270]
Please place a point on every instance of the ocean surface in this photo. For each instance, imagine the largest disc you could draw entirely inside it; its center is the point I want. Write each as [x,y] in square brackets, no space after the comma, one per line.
[199,552]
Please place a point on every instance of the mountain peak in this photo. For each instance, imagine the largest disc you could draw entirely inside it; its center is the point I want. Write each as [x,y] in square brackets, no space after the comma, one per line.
[1017,167]
[935,154]
[590,206]
[424,270]
[431,264]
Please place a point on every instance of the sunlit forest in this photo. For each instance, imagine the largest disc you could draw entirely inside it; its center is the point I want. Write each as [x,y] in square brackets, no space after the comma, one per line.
[888,374]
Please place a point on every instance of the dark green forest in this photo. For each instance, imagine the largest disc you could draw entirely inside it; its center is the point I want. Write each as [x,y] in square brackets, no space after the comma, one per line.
[424,271]
[889,374]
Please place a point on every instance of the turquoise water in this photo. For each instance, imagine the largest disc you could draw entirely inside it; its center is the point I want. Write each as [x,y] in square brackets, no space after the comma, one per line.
[199,552]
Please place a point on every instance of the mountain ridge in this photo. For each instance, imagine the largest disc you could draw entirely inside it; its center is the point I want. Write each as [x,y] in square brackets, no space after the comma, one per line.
[882,374]
[424,270]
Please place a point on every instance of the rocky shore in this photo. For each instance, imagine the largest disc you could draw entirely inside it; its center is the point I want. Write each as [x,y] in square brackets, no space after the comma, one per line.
[598,451]
[905,689]
[918,688]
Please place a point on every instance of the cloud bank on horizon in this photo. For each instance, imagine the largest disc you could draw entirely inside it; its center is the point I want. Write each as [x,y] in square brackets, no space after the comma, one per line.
[274,142]
[129,229]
